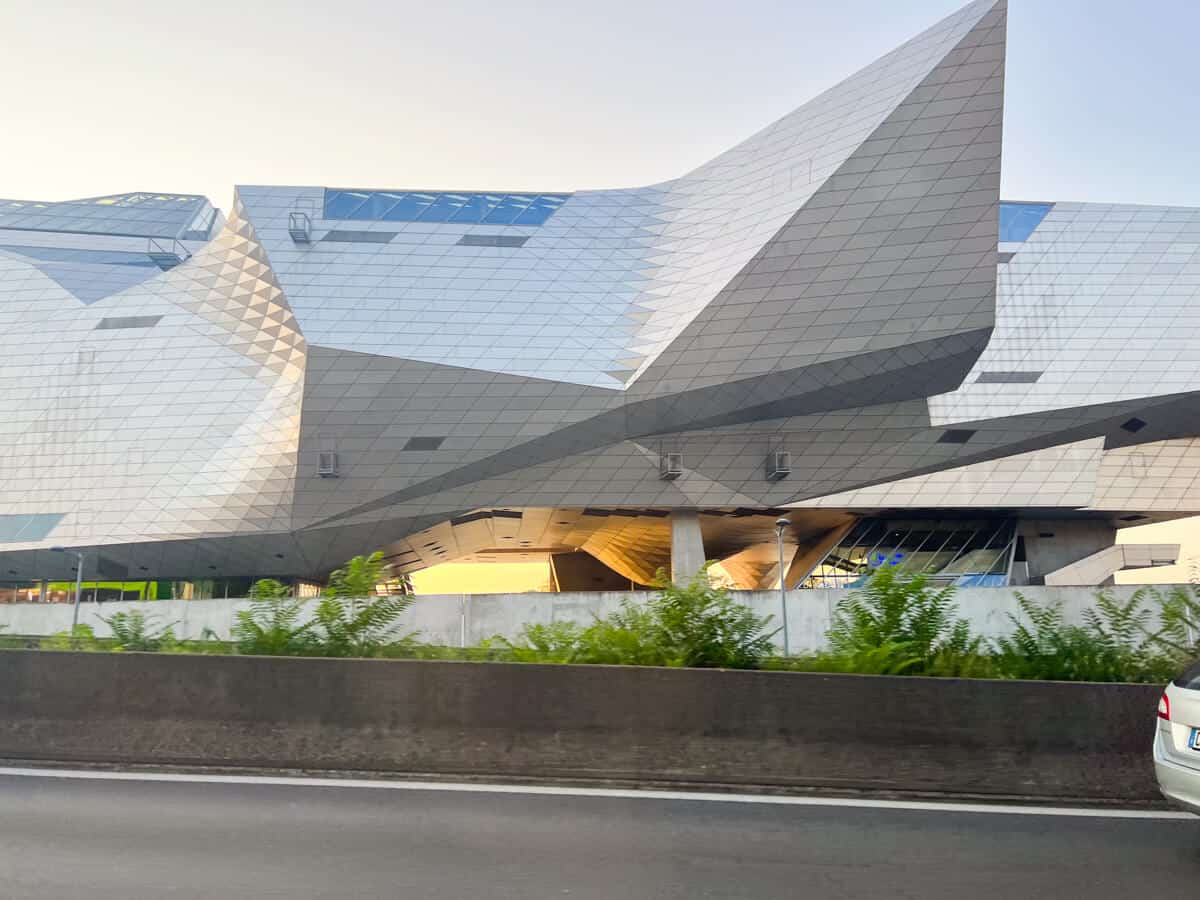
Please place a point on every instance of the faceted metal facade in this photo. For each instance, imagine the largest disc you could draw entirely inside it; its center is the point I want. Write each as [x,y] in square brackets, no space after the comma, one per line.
[444,373]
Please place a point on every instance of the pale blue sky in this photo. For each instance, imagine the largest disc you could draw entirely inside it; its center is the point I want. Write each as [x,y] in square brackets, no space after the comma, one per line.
[118,96]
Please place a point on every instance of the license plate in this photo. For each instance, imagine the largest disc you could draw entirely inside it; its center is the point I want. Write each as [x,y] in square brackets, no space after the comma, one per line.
[1194,740]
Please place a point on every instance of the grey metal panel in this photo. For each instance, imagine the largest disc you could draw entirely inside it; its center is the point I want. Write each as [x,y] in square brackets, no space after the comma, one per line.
[111,322]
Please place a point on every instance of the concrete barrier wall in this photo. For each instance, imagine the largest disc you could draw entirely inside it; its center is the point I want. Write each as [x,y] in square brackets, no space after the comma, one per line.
[451,619]
[599,723]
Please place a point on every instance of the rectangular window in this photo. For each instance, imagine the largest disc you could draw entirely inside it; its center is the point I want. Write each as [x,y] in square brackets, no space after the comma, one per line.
[956,436]
[423,443]
[492,240]
[441,206]
[359,237]
[1008,377]
[110,322]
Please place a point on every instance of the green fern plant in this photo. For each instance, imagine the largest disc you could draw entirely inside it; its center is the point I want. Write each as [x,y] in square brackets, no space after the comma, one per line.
[899,622]
[1111,645]
[133,630]
[350,619]
[272,626]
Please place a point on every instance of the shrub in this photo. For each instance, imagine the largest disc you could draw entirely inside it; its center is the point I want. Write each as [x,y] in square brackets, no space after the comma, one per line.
[1112,645]
[689,625]
[1178,637]
[358,626]
[700,625]
[358,578]
[81,637]
[897,624]
[557,642]
[272,626]
[350,619]
[132,631]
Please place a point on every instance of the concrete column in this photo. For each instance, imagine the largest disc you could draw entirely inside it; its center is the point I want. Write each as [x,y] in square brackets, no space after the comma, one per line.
[687,545]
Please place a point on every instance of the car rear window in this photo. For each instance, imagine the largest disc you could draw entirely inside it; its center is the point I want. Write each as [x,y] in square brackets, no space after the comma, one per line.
[1191,678]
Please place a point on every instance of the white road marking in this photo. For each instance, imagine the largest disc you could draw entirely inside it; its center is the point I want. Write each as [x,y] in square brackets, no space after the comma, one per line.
[623,793]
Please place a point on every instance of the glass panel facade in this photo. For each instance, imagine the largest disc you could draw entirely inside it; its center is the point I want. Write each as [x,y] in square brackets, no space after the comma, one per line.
[1019,220]
[442,206]
[968,553]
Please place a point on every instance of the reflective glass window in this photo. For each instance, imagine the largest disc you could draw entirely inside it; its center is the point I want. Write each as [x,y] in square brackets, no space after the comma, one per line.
[408,208]
[342,204]
[539,210]
[375,207]
[442,206]
[474,209]
[506,211]
[1019,220]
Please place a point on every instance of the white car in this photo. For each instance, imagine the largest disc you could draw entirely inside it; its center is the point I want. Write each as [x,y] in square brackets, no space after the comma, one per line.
[1177,741]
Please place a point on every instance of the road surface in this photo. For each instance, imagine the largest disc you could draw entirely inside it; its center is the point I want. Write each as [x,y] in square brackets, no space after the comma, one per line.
[103,839]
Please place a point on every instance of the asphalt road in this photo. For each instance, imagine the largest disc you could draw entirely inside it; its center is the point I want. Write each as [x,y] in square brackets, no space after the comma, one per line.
[122,840]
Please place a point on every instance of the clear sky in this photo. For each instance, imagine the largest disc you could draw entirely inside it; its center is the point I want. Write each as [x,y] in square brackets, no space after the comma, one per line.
[104,97]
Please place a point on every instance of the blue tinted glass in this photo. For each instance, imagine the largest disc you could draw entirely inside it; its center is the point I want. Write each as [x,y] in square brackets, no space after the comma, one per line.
[442,206]
[539,211]
[507,210]
[409,207]
[375,207]
[473,210]
[1019,220]
[341,204]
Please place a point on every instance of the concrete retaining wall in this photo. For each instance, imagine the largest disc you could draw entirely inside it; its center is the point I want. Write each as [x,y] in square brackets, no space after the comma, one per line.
[449,619]
[784,730]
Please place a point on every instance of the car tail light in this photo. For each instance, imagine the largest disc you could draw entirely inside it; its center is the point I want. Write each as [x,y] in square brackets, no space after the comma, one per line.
[1164,707]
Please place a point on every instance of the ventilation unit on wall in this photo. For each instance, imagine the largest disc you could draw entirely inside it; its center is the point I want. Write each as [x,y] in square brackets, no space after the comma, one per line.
[671,466]
[779,465]
[327,464]
[300,227]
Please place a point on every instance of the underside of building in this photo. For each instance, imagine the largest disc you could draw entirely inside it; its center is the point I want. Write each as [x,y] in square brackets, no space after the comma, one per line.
[838,323]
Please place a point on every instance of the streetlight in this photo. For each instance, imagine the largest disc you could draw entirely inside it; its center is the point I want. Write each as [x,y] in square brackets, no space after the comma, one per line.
[781,525]
[79,554]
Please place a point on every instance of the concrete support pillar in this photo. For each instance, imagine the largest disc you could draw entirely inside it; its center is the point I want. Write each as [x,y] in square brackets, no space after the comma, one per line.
[687,545]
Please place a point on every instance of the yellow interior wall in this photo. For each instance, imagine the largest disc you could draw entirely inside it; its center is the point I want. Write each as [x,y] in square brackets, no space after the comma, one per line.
[483,578]
[1185,532]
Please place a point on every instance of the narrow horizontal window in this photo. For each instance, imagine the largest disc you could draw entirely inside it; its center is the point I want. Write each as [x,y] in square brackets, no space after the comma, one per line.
[1134,425]
[956,436]
[1008,377]
[441,206]
[359,237]
[423,443]
[492,240]
[110,322]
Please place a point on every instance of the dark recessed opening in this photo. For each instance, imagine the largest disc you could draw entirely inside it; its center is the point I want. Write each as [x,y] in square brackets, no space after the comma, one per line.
[212,568]
[279,556]
[1133,425]
[1045,534]
[12,571]
[562,523]
[1135,517]
[423,443]
[143,569]
[956,436]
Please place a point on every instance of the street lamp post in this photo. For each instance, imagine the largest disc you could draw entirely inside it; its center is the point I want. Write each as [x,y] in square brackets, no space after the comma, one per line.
[79,555]
[781,525]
